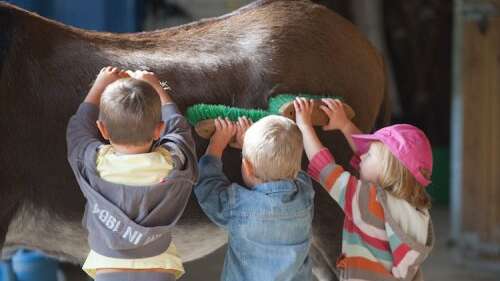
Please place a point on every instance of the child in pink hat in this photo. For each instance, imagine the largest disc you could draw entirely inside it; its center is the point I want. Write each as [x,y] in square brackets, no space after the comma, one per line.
[387,231]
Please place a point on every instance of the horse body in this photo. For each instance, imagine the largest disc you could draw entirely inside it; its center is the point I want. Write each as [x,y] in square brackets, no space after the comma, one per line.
[240,59]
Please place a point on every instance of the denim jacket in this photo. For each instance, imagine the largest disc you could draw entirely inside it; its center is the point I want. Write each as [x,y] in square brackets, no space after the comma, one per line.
[269,226]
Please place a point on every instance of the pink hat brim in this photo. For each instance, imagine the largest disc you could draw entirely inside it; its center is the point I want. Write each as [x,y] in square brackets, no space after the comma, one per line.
[363,141]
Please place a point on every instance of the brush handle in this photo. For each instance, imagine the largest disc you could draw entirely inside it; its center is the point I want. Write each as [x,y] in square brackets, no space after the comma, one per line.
[206,129]
[319,117]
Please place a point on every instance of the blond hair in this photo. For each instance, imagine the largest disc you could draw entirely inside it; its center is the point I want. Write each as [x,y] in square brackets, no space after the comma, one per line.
[274,147]
[396,179]
[130,109]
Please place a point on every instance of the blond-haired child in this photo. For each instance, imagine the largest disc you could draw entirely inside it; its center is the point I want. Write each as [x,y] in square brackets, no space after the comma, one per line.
[269,218]
[387,231]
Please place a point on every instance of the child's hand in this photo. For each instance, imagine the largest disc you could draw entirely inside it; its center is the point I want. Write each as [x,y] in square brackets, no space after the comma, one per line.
[224,133]
[336,114]
[151,78]
[146,76]
[303,112]
[241,128]
[108,75]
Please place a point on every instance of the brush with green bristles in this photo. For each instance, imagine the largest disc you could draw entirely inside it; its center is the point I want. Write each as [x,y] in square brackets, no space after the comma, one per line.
[202,116]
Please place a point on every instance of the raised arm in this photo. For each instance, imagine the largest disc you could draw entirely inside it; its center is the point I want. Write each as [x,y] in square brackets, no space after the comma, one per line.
[177,136]
[175,122]
[338,120]
[303,109]
[82,128]
[322,167]
[151,78]
[213,189]
[106,76]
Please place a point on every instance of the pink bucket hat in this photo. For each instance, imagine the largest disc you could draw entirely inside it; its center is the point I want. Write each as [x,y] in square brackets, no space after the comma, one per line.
[407,143]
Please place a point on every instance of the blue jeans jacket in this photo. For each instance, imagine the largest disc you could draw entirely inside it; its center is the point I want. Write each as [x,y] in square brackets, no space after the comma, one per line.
[269,226]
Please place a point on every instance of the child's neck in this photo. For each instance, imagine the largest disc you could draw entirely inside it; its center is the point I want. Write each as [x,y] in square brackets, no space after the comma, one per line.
[251,182]
[132,149]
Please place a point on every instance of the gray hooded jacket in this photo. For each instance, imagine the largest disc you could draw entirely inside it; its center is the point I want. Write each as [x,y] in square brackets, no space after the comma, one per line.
[129,221]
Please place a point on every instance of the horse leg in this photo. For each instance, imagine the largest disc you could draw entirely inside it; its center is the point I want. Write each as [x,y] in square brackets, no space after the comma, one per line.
[8,209]
[327,236]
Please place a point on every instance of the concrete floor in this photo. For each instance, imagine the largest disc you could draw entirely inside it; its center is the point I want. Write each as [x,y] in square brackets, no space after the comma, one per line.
[442,263]
[439,266]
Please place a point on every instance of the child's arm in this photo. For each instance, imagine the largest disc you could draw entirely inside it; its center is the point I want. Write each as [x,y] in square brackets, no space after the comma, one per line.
[106,76]
[241,128]
[213,189]
[224,132]
[82,128]
[322,166]
[151,78]
[177,136]
[312,144]
[338,120]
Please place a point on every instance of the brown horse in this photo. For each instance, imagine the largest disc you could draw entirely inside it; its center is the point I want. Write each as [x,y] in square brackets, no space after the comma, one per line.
[240,59]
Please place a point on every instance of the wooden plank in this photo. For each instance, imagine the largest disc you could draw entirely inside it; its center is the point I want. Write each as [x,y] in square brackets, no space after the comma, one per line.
[472,73]
[495,139]
[481,133]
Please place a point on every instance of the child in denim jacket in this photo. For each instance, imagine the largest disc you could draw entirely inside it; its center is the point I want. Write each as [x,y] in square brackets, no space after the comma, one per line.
[269,219]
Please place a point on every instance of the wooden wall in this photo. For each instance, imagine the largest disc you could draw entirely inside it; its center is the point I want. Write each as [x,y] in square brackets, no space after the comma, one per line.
[479,71]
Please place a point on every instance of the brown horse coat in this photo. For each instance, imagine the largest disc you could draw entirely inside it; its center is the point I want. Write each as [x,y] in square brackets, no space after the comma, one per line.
[240,59]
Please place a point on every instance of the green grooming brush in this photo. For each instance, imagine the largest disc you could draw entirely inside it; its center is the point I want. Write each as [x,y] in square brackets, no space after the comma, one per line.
[202,116]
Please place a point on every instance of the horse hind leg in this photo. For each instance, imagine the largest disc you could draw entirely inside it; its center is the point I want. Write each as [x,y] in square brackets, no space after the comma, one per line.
[34,227]
[7,211]
[322,271]
[327,236]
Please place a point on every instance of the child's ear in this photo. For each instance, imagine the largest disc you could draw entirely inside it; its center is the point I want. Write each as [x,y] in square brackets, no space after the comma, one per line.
[160,128]
[102,129]
[248,168]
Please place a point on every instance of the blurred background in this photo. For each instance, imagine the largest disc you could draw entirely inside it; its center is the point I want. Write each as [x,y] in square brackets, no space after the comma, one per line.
[443,59]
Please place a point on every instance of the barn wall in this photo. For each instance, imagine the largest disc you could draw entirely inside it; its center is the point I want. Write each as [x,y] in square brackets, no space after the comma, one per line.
[476,121]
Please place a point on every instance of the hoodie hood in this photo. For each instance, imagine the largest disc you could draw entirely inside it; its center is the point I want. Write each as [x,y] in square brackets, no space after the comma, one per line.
[408,254]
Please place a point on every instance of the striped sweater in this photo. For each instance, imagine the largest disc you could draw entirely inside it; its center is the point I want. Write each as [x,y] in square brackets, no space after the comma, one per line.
[374,247]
